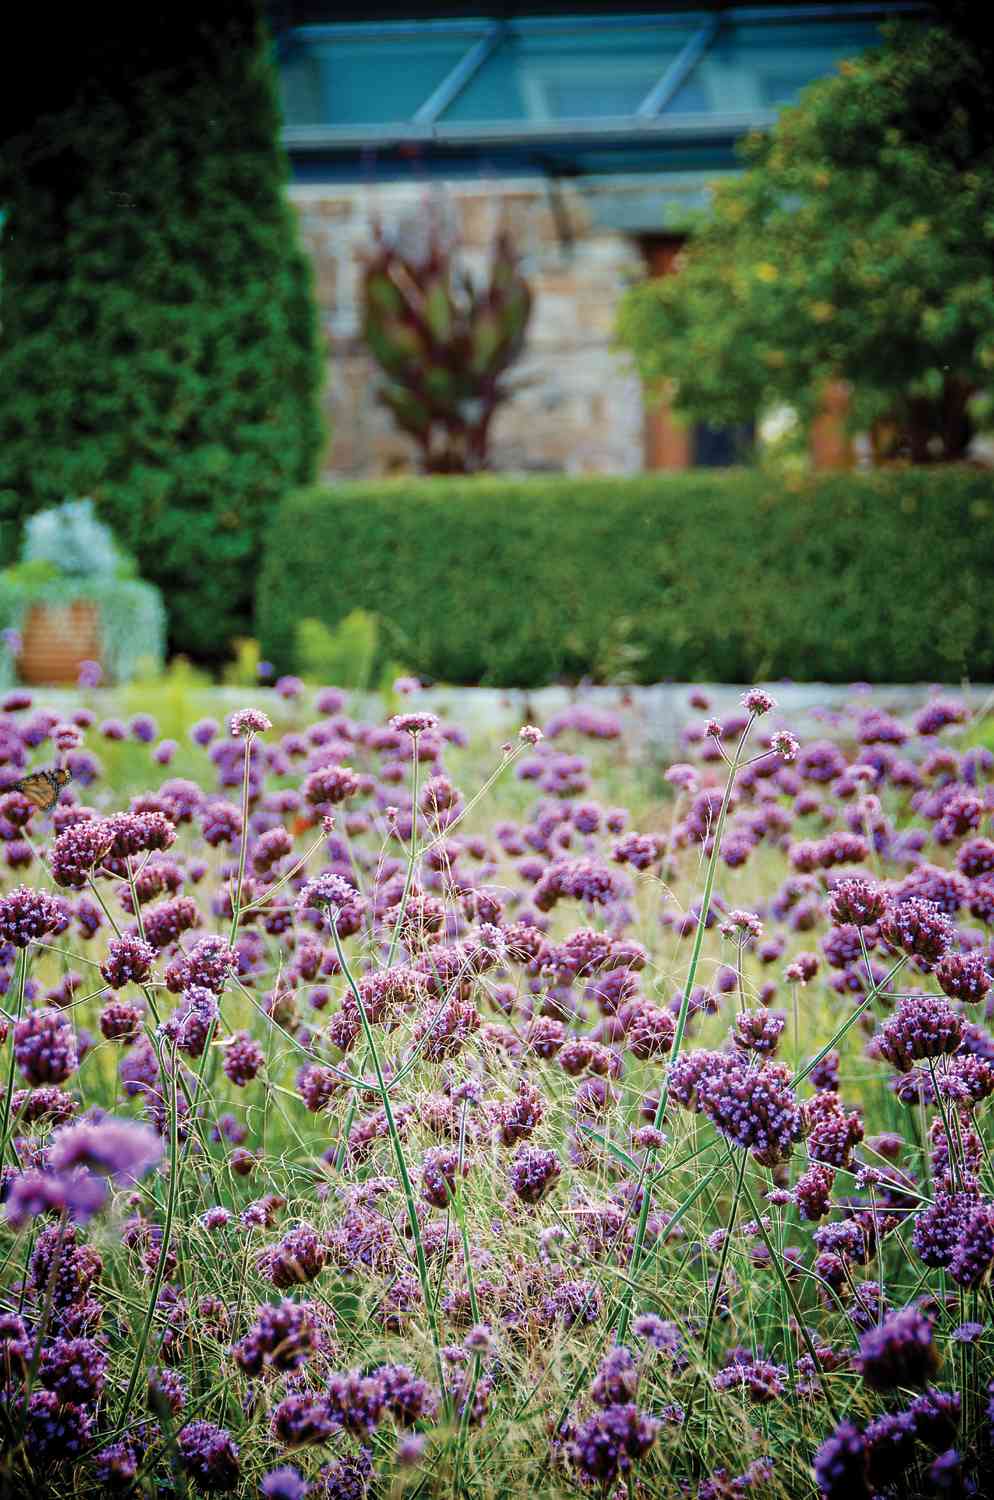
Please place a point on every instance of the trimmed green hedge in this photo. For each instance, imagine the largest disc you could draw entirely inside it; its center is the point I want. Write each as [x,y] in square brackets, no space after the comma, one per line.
[729,576]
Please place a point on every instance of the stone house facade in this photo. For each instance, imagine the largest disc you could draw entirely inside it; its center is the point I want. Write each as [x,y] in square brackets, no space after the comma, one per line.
[580,408]
[591,134]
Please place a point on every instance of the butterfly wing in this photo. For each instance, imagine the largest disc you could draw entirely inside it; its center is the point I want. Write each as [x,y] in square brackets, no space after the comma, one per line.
[38,790]
[42,788]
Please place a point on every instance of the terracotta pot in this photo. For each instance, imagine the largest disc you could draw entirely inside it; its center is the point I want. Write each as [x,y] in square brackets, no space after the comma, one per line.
[56,640]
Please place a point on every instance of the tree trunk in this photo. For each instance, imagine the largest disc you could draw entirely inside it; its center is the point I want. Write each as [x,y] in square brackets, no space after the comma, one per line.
[957,428]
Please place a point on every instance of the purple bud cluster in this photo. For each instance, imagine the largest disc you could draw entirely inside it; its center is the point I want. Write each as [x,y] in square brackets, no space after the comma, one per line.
[45,1047]
[753,1107]
[923,1026]
[26,915]
[283,1337]
[129,961]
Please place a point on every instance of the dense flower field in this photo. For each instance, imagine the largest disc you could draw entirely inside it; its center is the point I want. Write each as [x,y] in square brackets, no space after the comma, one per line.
[370,1132]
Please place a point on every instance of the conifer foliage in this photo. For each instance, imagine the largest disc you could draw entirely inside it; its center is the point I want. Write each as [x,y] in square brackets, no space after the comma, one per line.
[160,346]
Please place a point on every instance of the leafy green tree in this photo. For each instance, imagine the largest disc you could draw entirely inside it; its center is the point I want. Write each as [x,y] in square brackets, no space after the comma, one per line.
[160,346]
[857,245]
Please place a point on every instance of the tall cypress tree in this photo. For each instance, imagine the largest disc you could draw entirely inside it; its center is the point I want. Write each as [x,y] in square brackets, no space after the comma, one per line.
[160,349]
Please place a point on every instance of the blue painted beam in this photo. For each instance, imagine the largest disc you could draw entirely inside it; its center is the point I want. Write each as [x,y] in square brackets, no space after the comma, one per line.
[465,69]
[308,138]
[669,85]
[756,14]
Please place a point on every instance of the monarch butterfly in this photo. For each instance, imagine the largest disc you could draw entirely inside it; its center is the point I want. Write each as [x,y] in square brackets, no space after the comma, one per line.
[42,787]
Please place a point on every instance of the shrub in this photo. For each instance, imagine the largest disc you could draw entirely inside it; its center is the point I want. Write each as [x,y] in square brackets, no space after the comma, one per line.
[443,345]
[826,258]
[346,655]
[161,352]
[730,576]
[69,558]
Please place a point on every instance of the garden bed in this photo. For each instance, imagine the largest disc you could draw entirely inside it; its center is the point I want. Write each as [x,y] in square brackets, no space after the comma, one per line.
[548,1121]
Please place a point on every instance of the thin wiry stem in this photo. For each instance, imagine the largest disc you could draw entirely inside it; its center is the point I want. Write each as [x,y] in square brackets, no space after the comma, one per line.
[789,1290]
[294,869]
[681,1020]
[167,1229]
[847,1025]
[411,857]
[6,1127]
[469,1396]
[398,1151]
[236,899]
[725,1248]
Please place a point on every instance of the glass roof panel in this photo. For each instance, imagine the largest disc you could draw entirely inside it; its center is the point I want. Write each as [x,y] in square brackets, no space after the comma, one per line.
[762,66]
[335,79]
[533,70]
[581,72]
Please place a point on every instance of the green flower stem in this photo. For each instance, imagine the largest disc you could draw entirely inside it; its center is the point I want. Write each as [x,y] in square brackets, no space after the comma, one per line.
[46,1314]
[477,797]
[946,1128]
[398,1151]
[136,904]
[847,1025]
[412,855]
[291,1040]
[262,900]
[103,905]
[681,1023]
[243,850]
[674,1219]
[167,1229]
[459,1208]
[792,1298]
[429,1031]
[725,1248]
[191,1099]
[5,1122]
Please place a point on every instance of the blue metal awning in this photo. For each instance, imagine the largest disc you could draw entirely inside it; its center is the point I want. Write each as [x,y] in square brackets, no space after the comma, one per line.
[559,95]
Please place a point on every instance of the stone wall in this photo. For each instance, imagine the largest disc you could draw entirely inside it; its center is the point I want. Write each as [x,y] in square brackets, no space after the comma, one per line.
[580,410]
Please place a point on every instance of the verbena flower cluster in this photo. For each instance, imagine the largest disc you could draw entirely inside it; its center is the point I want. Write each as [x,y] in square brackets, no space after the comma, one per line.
[361,1140]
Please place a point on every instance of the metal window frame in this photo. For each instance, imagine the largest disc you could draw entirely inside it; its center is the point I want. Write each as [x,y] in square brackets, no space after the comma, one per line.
[307,138]
[486,35]
[464,71]
[476,27]
[679,70]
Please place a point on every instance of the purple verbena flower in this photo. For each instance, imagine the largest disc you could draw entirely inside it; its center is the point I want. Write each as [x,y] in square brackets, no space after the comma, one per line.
[964,976]
[74,1369]
[923,1026]
[45,1047]
[27,914]
[898,1352]
[617,1378]
[209,1455]
[840,1465]
[610,1441]
[919,929]
[54,1431]
[129,961]
[249,721]
[122,1150]
[533,1173]
[758,702]
[973,1252]
[283,1337]
[299,1257]
[284,1483]
[356,1401]
[243,1059]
